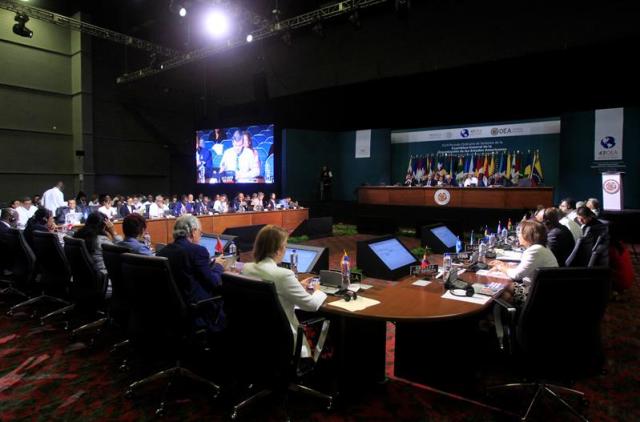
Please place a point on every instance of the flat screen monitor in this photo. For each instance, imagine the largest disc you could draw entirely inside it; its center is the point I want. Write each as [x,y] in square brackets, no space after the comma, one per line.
[439,238]
[210,241]
[392,253]
[311,259]
[239,154]
[384,257]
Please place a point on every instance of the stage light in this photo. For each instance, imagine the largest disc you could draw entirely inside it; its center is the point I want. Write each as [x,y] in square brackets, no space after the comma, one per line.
[20,27]
[182,12]
[216,24]
[249,38]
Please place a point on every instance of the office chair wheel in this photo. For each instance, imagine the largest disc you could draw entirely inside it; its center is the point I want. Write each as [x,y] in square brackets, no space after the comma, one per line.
[330,405]
[160,412]
[234,415]
[129,393]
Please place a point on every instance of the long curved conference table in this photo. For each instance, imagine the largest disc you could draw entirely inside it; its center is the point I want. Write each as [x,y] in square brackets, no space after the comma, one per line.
[428,328]
[161,229]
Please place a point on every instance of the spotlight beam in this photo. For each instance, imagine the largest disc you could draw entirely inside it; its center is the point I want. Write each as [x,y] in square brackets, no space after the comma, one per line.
[266,31]
[86,28]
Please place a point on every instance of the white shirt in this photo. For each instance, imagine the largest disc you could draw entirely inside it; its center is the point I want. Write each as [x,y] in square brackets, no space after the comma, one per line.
[536,256]
[53,199]
[110,212]
[246,164]
[157,212]
[470,181]
[573,227]
[24,215]
[290,292]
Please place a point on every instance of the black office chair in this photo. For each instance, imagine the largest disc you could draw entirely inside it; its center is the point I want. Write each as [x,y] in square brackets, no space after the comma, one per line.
[14,283]
[261,342]
[160,322]
[55,274]
[88,288]
[23,268]
[557,331]
[119,305]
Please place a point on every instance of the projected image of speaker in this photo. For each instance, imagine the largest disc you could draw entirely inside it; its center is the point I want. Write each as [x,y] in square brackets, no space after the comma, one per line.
[384,257]
[245,235]
[438,238]
[311,259]
[210,241]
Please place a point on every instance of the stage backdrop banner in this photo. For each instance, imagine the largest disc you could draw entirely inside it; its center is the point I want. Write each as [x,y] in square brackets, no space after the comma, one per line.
[363,143]
[547,127]
[608,134]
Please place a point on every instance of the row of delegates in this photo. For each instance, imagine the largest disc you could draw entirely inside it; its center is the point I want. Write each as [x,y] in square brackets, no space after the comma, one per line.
[197,277]
[268,251]
[533,237]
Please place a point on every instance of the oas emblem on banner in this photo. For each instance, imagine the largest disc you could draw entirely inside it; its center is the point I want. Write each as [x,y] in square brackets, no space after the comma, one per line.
[611,186]
[442,197]
[608,142]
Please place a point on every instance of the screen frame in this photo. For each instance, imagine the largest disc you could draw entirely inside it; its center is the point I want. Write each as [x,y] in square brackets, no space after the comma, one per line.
[373,266]
[402,247]
[317,249]
[427,238]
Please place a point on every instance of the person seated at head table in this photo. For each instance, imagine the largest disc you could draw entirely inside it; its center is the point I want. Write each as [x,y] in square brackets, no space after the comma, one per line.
[272,203]
[107,209]
[183,207]
[97,231]
[559,238]
[134,226]
[71,209]
[196,275]
[25,212]
[41,221]
[533,237]
[158,208]
[470,180]
[268,251]
[15,204]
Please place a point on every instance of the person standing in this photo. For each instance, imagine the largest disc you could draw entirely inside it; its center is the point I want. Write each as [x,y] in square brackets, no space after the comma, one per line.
[53,198]
[326,179]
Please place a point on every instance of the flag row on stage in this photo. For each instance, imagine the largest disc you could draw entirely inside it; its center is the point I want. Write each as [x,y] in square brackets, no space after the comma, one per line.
[512,165]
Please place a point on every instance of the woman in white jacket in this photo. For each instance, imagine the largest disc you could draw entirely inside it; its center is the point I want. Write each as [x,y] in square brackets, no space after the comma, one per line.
[533,236]
[268,251]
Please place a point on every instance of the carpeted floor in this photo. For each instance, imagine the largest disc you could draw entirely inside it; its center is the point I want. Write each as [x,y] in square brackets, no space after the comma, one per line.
[45,376]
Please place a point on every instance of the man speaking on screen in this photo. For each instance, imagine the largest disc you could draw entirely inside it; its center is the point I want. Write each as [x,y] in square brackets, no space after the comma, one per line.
[241,161]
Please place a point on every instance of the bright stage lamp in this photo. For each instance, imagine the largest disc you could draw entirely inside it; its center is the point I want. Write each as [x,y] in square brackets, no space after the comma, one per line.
[217,24]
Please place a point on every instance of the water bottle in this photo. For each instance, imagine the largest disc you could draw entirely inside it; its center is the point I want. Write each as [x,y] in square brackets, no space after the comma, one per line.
[459,245]
[446,263]
[294,261]
[505,234]
[482,252]
[232,252]
[345,269]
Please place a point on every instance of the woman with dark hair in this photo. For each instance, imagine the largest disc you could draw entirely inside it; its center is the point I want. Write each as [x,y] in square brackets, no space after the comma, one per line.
[41,221]
[97,231]
[533,236]
[268,251]
[134,227]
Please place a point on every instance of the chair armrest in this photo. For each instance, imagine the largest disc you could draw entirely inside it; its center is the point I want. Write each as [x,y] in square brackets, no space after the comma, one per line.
[504,327]
[503,303]
[200,303]
[312,321]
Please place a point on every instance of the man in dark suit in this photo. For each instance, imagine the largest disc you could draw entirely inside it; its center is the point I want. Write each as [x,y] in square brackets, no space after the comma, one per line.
[8,219]
[197,277]
[205,162]
[62,212]
[127,208]
[559,238]
[41,221]
[592,229]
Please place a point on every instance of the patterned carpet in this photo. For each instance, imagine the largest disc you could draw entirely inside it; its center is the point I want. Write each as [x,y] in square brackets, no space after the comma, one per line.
[45,376]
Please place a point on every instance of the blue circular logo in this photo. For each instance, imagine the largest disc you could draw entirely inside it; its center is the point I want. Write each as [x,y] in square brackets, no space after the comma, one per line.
[608,142]
[464,133]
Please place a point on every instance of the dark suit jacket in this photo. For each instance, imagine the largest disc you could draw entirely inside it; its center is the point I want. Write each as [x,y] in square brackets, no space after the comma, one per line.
[560,242]
[3,228]
[30,228]
[196,279]
[124,210]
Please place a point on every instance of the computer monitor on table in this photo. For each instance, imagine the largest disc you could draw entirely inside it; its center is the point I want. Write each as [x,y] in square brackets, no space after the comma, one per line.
[439,238]
[384,257]
[210,240]
[311,259]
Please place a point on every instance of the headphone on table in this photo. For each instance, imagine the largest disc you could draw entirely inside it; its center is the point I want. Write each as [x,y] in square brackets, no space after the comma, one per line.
[348,295]
[454,290]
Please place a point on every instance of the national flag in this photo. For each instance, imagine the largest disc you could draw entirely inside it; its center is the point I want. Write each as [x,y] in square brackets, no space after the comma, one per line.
[345,265]
[536,172]
[509,225]
[518,162]
[508,172]
[485,165]
[471,238]
[414,166]
[486,231]
[471,168]
[410,166]
[501,165]
[425,261]
[460,168]
[492,165]
[527,164]
[499,227]
[219,247]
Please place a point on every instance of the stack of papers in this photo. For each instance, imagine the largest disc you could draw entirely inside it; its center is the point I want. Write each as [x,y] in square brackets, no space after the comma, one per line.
[355,305]
[492,273]
[478,299]
[421,283]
